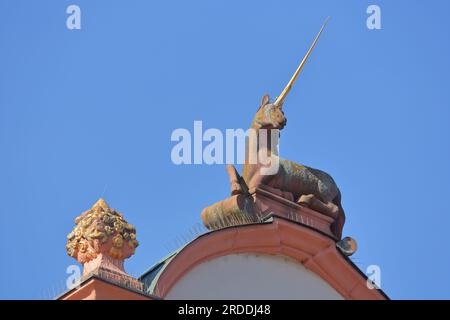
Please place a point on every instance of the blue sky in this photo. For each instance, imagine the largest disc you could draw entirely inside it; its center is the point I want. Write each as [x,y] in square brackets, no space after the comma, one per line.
[90,112]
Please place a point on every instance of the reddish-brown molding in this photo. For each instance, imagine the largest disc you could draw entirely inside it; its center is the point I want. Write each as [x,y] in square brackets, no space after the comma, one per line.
[316,251]
[98,289]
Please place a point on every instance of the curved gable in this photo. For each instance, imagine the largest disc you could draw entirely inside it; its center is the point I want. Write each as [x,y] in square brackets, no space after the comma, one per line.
[305,246]
[246,276]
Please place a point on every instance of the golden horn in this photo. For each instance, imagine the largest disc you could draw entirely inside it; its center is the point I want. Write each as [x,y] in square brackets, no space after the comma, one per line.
[286,90]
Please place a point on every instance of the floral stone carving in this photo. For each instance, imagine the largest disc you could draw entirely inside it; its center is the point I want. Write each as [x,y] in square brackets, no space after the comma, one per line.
[101,231]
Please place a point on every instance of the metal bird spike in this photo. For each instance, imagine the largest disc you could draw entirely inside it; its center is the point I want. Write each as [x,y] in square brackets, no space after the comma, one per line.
[282,96]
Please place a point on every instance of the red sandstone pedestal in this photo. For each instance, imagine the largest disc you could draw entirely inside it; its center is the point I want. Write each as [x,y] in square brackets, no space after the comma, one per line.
[260,203]
[267,203]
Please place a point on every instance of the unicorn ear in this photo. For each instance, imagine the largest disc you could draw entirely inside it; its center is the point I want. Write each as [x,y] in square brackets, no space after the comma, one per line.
[265,100]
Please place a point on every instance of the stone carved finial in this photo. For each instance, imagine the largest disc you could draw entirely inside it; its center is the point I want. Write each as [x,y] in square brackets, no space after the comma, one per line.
[101,239]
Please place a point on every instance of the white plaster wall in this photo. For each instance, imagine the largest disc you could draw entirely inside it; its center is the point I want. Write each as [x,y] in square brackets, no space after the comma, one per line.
[251,276]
